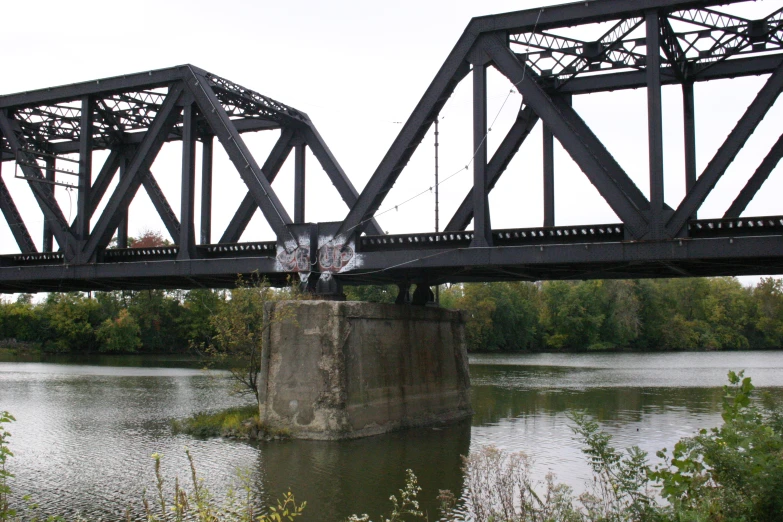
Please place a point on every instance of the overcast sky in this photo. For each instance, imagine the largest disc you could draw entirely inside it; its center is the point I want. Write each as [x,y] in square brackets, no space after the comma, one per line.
[358,69]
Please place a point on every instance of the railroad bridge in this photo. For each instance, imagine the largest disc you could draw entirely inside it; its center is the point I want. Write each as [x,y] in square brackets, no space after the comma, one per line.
[49,137]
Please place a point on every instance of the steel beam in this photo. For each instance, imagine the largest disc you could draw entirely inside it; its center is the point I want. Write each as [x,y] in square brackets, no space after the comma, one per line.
[166,213]
[727,152]
[549,176]
[85,171]
[299,183]
[482,228]
[756,180]
[122,228]
[580,13]
[734,68]
[128,82]
[523,125]
[103,180]
[47,244]
[248,206]
[654,123]
[44,197]
[206,189]
[585,148]
[14,219]
[128,186]
[187,233]
[689,124]
[255,179]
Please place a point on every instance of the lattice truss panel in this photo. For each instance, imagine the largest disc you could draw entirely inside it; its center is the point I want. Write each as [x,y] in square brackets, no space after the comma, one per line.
[692,40]
[44,126]
[44,134]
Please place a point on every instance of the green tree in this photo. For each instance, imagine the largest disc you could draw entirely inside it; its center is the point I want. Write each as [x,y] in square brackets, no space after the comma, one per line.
[72,319]
[195,315]
[768,316]
[156,314]
[572,314]
[372,293]
[241,323]
[120,334]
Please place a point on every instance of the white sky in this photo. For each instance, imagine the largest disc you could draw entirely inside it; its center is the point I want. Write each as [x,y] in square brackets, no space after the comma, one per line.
[358,69]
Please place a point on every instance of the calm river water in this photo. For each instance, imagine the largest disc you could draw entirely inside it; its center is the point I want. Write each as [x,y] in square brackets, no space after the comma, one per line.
[85,432]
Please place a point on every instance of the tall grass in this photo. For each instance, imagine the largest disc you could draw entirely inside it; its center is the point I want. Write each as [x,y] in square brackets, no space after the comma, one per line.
[238,421]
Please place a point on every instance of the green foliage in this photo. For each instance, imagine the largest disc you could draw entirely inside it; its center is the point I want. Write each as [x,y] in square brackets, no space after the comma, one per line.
[156,313]
[216,424]
[120,334]
[621,486]
[72,320]
[732,472]
[500,316]
[663,314]
[372,293]
[199,504]
[5,489]
[197,309]
[241,323]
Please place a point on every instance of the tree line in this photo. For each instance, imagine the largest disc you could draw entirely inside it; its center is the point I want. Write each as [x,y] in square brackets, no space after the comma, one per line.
[661,314]
[151,321]
[648,314]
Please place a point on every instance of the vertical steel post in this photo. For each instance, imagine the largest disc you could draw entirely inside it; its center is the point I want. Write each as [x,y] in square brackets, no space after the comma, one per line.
[689,124]
[654,124]
[122,229]
[85,171]
[299,182]
[549,176]
[482,228]
[187,236]
[437,217]
[206,188]
[48,237]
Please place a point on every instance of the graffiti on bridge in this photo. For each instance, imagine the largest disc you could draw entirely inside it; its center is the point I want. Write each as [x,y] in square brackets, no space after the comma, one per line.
[331,258]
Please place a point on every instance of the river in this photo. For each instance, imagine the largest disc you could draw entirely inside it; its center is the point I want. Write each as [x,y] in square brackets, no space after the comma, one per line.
[85,431]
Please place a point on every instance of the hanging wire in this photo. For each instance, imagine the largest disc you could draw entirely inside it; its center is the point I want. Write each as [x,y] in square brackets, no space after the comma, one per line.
[472,159]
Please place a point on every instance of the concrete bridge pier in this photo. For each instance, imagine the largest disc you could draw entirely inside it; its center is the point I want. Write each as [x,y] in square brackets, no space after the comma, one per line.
[339,370]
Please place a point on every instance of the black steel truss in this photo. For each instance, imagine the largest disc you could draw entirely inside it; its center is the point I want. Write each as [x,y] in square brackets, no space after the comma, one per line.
[645,43]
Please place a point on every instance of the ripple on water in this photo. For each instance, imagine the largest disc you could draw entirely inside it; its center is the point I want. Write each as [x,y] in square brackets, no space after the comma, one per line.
[85,434]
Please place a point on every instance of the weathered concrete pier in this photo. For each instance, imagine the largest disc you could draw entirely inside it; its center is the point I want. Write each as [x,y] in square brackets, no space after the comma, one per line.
[352,369]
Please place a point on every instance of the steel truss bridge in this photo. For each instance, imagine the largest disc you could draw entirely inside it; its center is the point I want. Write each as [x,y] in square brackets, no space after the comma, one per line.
[51,135]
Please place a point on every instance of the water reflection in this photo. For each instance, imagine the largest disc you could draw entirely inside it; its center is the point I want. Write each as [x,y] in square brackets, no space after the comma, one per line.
[358,476]
[85,431]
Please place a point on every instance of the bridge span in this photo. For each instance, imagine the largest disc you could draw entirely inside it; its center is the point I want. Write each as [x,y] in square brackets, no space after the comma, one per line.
[49,137]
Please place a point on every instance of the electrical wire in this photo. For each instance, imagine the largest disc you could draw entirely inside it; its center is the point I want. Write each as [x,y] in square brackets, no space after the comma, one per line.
[472,159]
